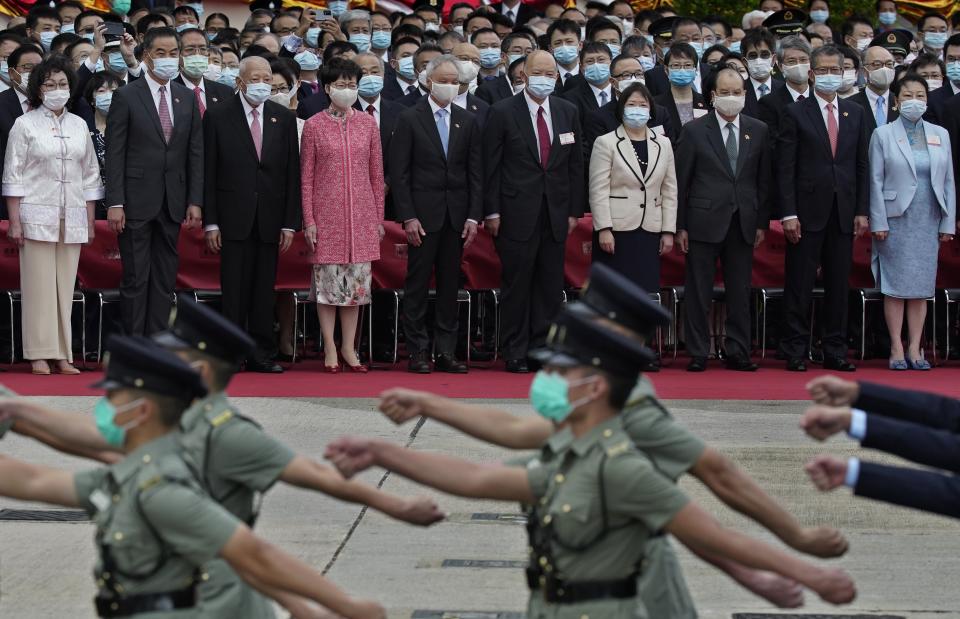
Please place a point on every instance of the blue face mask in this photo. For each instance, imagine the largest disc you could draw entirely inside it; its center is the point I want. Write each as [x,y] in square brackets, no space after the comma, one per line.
[541,86]
[550,396]
[186,26]
[682,77]
[697,47]
[211,36]
[312,38]
[913,109]
[166,68]
[370,86]
[380,39]
[828,84]
[819,17]
[362,41]
[46,38]
[649,38]
[88,36]
[337,7]
[228,77]
[636,117]
[597,74]
[614,49]
[490,58]
[67,29]
[953,71]
[935,40]
[258,93]
[307,60]
[405,68]
[104,415]
[4,70]
[565,54]
[735,47]
[116,62]
[102,102]
[647,63]
[887,18]
[99,66]
[512,58]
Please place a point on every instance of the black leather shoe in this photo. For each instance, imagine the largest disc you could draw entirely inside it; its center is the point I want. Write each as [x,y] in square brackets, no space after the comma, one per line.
[419,363]
[263,367]
[653,366]
[697,364]
[517,366]
[739,364]
[838,365]
[284,357]
[796,365]
[449,364]
[480,356]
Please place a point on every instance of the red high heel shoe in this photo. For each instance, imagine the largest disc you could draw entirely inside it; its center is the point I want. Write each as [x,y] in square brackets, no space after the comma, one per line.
[354,369]
[333,369]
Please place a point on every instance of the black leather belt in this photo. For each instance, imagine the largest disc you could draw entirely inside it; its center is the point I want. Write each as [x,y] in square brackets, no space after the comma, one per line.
[562,592]
[146,603]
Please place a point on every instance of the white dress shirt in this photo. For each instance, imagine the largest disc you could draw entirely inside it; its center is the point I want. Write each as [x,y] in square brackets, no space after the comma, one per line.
[202,86]
[597,91]
[404,85]
[364,104]
[723,128]
[956,89]
[563,72]
[872,98]
[796,95]
[756,87]
[155,92]
[434,108]
[512,13]
[461,100]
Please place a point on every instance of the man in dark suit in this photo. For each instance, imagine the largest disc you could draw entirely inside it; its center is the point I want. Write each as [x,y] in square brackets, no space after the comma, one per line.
[723,176]
[401,77]
[251,201]
[468,62]
[319,100]
[193,64]
[13,101]
[436,178]
[385,112]
[824,173]
[950,89]
[497,88]
[154,165]
[595,89]
[534,193]
[426,53]
[951,122]
[758,47]
[877,102]
[517,11]
[794,58]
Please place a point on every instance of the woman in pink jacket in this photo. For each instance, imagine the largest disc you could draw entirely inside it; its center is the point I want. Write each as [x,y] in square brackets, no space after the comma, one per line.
[342,187]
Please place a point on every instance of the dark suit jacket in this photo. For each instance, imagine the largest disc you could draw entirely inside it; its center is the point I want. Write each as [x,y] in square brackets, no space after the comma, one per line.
[391,88]
[667,101]
[10,111]
[305,91]
[516,185]
[241,191]
[581,95]
[935,448]
[751,106]
[935,103]
[925,490]
[575,81]
[523,11]
[870,118]
[770,107]
[656,80]
[313,104]
[411,99]
[144,173]
[479,108]
[216,94]
[928,409]
[710,194]
[425,183]
[492,91]
[808,173]
[950,120]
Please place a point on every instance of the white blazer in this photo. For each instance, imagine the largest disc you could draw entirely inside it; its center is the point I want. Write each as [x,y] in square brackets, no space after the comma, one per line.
[893,177]
[621,196]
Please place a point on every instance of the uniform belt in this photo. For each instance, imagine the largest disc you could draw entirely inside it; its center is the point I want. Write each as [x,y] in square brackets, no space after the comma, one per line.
[145,603]
[563,592]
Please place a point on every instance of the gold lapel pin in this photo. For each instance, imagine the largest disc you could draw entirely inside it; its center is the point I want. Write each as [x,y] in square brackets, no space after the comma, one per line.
[215,99]
[845,114]
[176,100]
[457,126]
[273,120]
[746,136]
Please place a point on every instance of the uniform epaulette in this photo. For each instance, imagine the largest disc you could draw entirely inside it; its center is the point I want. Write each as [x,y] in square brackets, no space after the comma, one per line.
[618,449]
[222,418]
[151,482]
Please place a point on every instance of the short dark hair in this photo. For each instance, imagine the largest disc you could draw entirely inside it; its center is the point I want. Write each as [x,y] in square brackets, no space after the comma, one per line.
[188,10]
[68,50]
[41,12]
[718,19]
[925,60]
[810,3]
[595,48]
[510,38]
[473,37]
[826,50]
[475,15]
[953,41]
[98,80]
[846,29]
[285,68]
[405,31]
[6,35]
[876,5]
[566,26]
[681,49]
[426,48]
[260,51]
[213,16]
[499,19]
[852,54]
[461,5]
[680,22]
[145,23]
[634,42]
[65,39]
[54,64]
[70,4]
[910,76]
[159,33]
[753,38]
[600,23]
[27,48]
[339,68]
[631,90]
[82,16]
[403,41]
[338,48]
[623,57]
[930,15]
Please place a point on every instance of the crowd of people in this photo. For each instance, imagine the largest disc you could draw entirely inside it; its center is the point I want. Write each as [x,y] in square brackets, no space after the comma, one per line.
[684,134]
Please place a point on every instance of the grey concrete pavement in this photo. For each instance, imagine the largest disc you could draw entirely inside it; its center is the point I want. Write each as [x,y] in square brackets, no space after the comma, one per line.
[905,563]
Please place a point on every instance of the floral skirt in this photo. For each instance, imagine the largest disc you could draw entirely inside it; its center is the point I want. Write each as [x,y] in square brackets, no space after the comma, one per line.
[341,284]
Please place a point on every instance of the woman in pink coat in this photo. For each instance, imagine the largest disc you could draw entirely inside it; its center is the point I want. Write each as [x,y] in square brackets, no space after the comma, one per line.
[342,187]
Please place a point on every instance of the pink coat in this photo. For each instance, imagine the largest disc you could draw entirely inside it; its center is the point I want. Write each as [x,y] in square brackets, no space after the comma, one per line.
[342,187]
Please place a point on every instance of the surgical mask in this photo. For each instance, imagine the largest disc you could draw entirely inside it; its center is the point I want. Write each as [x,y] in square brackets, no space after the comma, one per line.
[444,93]
[343,97]
[88,36]
[291,42]
[734,47]
[760,68]
[186,26]
[953,71]
[697,47]
[213,72]
[881,78]
[116,62]
[627,27]
[935,40]
[798,73]
[550,396]
[195,66]
[46,39]
[887,18]
[166,68]
[541,86]
[729,106]
[228,76]
[934,84]
[55,99]
[405,68]
[849,79]
[512,58]
[24,80]
[67,29]
[105,415]
[614,49]
[626,83]
[636,117]
[338,7]
[489,58]
[913,109]
[517,88]
[99,66]
[362,41]
[469,70]
[102,102]
[647,62]
[307,60]
[370,86]
[312,37]
[565,54]
[422,80]
[432,27]
[862,44]
[121,7]
[196,6]
[682,77]
[597,74]
[583,33]
[4,70]
[828,84]
[380,39]
[283,98]
[819,17]
[649,38]
[258,93]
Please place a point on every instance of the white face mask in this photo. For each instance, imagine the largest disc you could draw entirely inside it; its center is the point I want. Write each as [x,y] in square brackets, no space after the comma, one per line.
[55,99]
[469,70]
[625,83]
[444,93]
[798,74]
[881,78]
[213,72]
[422,79]
[343,97]
[862,44]
[760,68]
[729,106]
[933,84]
[849,79]
[283,98]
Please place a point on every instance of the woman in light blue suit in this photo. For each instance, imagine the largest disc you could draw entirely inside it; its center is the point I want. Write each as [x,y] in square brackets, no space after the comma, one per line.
[912,207]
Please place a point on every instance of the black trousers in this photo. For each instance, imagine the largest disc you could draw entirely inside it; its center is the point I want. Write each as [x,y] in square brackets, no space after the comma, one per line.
[148,254]
[248,272]
[532,288]
[439,253]
[832,250]
[736,258]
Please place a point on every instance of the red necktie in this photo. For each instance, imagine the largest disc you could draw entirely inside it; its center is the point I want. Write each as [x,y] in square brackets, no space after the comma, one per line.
[543,135]
[832,130]
[199,95]
[164,111]
[371,110]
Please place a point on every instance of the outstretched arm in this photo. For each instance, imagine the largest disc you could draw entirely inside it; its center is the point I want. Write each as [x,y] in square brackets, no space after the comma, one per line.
[70,433]
[779,591]
[29,482]
[485,423]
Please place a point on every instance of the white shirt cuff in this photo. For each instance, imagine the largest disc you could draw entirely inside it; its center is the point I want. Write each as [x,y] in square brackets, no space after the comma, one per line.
[473,221]
[93,194]
[853,473]
[494,216]
[858,424]
[211,228]
[116,206]
[14,190]
[788,217]
[135,71]
[287,230]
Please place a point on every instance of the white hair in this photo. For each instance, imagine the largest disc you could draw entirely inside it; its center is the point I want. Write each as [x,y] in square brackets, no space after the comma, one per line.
[370,55]
[355,15]
[441,60]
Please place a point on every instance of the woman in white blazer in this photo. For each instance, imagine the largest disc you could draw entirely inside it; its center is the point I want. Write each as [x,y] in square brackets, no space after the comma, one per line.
[633,192]
[912,207]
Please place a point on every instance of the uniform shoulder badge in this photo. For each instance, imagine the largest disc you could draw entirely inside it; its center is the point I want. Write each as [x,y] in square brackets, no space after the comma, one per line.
[618,449]
[218,419]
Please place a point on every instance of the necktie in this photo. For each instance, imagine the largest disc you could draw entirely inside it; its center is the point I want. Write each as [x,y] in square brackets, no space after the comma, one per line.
[764,89]
[199,95]
[164,112]
[567,76]
[881,112]
[411,89]
[543,136]
[832,129]
[442,129]
[510,15]
[800,97]
[255,132]
[603,98]
[732,147]
[371,110]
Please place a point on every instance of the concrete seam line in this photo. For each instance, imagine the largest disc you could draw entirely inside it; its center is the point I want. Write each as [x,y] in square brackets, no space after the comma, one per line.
[363,510]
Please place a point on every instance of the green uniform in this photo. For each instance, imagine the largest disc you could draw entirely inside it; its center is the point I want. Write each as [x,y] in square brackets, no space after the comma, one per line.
[156,526]
[234,460]
[5,426]
[599,500]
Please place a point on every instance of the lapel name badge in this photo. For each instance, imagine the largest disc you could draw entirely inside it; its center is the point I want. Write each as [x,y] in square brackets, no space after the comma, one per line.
[215,99]
[567,138]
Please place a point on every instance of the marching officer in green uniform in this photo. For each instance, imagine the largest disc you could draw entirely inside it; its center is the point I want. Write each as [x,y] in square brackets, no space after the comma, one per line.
[596,500]
[156,527]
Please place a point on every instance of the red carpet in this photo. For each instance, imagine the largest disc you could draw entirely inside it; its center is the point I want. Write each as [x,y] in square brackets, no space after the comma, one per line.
[306,380]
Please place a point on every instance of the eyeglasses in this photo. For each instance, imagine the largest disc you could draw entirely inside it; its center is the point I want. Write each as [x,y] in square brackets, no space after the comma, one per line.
[627,75]
[279,89]
[764,54]
[61,85]
[341,85]
[876,64]
[828,71]
[197,50]
[680,67]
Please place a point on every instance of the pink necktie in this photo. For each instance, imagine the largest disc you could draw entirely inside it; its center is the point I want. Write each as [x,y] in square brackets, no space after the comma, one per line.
[164,112]
[832,130]
[199,94]
[255,132]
